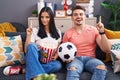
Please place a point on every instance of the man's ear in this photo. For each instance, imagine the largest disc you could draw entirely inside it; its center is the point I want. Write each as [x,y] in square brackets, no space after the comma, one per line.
[85,16]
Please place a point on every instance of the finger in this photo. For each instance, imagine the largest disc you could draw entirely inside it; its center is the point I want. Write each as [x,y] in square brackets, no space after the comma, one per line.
[30,24]
[100,19]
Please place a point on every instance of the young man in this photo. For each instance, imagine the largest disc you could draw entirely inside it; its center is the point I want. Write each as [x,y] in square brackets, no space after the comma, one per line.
[85,38]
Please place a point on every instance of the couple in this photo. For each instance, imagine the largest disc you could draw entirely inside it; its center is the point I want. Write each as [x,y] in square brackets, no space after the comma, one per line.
[47,38]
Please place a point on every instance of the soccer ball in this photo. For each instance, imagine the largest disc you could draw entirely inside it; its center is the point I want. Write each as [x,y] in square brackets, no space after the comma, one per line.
[67,51]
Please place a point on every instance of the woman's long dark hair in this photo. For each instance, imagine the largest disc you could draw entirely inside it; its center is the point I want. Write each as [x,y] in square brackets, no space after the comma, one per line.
[52,28]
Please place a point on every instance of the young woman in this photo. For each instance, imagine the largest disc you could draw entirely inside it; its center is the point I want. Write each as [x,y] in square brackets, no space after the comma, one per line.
[41,46]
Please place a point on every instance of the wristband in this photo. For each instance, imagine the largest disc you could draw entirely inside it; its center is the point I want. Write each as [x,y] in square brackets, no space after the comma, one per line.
[101,33]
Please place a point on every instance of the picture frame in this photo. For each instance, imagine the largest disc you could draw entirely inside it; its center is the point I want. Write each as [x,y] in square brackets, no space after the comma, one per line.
[82,1]
[60,13]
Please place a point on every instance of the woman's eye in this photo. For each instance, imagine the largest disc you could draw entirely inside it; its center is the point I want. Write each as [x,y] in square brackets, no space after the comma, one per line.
[47,17]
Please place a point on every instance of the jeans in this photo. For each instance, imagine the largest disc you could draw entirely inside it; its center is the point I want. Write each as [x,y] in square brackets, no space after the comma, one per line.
[85,63]
[33,65]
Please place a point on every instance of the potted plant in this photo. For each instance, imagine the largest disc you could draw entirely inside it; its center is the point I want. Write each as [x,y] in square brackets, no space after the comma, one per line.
[114,6]
[34,13]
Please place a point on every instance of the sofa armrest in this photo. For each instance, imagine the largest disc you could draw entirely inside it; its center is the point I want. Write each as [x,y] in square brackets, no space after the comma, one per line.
[19,27]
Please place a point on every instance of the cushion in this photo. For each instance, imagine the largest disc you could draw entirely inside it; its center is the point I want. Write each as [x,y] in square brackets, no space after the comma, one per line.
[115,52]
[11,51]
[19,27]
[111,35]
[2,33]
[7,27]
[107,57]
[100,54]
[23,36]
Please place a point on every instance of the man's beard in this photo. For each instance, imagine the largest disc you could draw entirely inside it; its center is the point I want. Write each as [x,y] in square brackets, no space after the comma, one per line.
[78,24]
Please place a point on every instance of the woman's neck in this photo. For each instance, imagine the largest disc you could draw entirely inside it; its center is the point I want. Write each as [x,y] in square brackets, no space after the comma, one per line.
[47,29]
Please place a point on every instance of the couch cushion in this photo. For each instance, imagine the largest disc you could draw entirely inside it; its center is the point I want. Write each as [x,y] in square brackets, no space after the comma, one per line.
[23,34]
[19,27]
[115,52]
[100,54]
[112,34]
[11,51]
[2,33]
[7,27]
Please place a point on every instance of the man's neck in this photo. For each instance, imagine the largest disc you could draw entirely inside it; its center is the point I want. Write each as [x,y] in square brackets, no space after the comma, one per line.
[79,28]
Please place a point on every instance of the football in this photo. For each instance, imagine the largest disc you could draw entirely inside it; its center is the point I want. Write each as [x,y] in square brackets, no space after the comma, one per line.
[67,51]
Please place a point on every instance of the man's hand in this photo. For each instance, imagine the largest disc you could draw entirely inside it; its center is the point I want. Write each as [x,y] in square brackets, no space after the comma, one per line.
[67,61]
[100,25]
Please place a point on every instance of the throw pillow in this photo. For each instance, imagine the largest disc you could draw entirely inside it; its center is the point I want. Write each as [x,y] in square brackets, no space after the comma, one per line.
[23,36]
[7,27]
[2,32]
[11,50]
[115,52]
[111,35]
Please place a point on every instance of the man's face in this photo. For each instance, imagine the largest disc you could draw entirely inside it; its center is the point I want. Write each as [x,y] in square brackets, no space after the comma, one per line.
[78,17]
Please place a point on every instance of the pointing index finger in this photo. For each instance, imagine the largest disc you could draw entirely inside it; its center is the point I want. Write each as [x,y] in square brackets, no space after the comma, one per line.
[100,19]
[30,25]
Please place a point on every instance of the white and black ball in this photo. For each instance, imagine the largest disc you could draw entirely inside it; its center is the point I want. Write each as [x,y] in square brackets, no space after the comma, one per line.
[67,51]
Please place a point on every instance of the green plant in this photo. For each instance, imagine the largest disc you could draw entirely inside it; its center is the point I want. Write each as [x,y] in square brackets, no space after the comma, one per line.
[114,6]
[34,12]
[46,77]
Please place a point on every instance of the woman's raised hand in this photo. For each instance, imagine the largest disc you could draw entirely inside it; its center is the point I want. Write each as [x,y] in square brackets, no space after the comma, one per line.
[29,29]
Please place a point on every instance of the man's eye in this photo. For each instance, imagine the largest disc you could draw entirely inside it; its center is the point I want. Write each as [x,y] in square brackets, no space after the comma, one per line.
[81,14]
[75,14]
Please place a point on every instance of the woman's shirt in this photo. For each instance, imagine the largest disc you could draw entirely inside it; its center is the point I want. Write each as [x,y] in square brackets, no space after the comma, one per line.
[48,44]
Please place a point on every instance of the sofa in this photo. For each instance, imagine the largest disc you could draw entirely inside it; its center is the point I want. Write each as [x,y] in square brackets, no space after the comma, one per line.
[62,73]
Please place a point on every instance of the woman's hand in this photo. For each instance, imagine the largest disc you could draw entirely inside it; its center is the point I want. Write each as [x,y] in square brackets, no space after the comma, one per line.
[29,31]
[55,56]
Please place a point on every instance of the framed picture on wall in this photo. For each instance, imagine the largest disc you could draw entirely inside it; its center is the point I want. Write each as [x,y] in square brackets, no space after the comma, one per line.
[60,13]
[82,1]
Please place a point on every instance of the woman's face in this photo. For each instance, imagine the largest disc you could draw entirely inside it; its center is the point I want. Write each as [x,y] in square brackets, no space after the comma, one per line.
[45,18]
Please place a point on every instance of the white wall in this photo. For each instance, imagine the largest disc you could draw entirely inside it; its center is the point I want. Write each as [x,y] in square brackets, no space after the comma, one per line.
[20,10]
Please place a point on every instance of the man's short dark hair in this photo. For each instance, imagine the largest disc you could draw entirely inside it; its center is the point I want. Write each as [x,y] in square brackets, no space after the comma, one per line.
[78,7]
